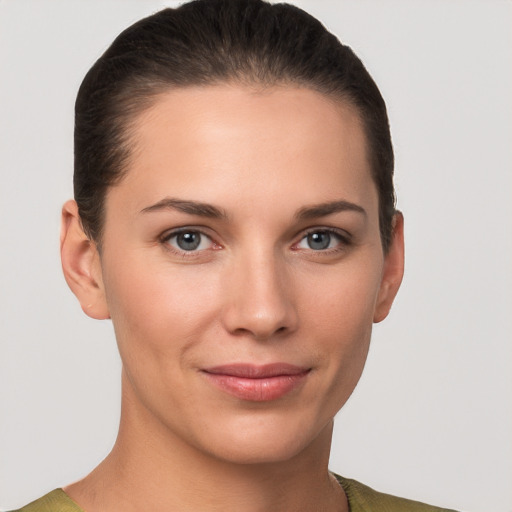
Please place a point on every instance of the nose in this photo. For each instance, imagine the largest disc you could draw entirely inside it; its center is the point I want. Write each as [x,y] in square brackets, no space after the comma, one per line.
[259,300]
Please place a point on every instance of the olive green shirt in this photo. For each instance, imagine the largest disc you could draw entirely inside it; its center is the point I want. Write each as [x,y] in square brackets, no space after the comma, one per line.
[360,499]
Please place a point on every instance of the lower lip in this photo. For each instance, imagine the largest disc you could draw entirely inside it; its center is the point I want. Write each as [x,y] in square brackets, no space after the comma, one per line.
[257,389]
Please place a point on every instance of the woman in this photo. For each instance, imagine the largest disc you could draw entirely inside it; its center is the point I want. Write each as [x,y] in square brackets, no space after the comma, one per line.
[234,216]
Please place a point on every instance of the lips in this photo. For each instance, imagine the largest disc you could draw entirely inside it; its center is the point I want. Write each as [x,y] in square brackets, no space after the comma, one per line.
[257,383]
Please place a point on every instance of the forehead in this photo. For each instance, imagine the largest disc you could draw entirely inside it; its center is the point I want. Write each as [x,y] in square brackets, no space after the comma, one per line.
[219,143]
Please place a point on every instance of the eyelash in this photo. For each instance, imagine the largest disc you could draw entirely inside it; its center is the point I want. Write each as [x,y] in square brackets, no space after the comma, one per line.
[344,240]
[166,237]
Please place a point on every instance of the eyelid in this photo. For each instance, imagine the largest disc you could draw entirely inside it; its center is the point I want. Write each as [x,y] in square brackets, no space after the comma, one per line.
[345,238]
[166,235]
[171,233]
[343,234]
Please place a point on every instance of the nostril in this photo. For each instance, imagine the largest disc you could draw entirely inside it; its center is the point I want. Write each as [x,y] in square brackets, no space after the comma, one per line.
[260,334]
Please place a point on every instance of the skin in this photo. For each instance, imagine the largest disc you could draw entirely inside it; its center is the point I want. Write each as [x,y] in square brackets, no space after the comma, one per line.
[254,291]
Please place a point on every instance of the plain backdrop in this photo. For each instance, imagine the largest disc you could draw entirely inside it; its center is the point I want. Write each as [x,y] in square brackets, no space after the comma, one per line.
[432,416]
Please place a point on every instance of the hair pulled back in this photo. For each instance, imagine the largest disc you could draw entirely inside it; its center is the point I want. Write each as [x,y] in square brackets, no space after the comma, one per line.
[206,42]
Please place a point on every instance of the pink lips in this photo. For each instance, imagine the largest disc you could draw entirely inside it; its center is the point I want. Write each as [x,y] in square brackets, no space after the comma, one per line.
[257,383]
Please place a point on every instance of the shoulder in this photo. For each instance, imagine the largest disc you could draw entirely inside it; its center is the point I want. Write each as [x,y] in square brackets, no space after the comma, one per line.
[55,501]
[362,498]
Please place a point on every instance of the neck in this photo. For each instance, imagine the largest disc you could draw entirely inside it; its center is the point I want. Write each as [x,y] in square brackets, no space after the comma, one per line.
[151,468]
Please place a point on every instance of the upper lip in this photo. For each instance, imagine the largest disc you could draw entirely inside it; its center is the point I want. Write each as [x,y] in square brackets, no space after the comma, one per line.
[252,371]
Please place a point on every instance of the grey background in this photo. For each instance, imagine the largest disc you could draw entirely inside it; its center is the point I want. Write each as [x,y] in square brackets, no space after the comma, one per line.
[432,416]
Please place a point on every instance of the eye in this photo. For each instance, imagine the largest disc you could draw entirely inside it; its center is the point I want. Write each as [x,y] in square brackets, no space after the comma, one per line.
[188,240]
[322,240]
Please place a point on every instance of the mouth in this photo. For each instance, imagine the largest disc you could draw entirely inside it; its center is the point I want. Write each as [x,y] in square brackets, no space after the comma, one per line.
[257,383]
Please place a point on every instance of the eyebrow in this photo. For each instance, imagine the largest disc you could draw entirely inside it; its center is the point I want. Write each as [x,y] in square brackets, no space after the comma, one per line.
[190,207]
[208,210]
[324,209]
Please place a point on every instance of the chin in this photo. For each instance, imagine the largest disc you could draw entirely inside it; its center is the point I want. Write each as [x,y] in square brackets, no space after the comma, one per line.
[267,443]
[260,453]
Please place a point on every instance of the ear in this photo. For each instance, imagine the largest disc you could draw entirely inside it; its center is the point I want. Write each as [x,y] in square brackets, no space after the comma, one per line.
[81,264]
[393,270]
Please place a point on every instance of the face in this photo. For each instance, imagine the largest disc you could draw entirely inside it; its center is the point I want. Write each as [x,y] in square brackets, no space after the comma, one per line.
[242,268]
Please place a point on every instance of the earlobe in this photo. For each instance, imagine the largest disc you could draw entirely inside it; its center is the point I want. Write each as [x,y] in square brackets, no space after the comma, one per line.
[81,264]
[393,270]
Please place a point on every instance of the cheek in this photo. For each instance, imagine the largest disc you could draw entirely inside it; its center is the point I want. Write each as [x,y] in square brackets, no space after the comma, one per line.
[340,320]
[158,312]
[346,327]
[342,301]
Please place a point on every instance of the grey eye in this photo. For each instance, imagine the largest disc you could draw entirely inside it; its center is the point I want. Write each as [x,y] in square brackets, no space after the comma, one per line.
[189,241]
[319,240]
[322,240]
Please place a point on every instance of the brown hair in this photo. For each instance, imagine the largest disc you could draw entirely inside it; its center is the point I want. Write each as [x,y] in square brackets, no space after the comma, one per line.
[206,42]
